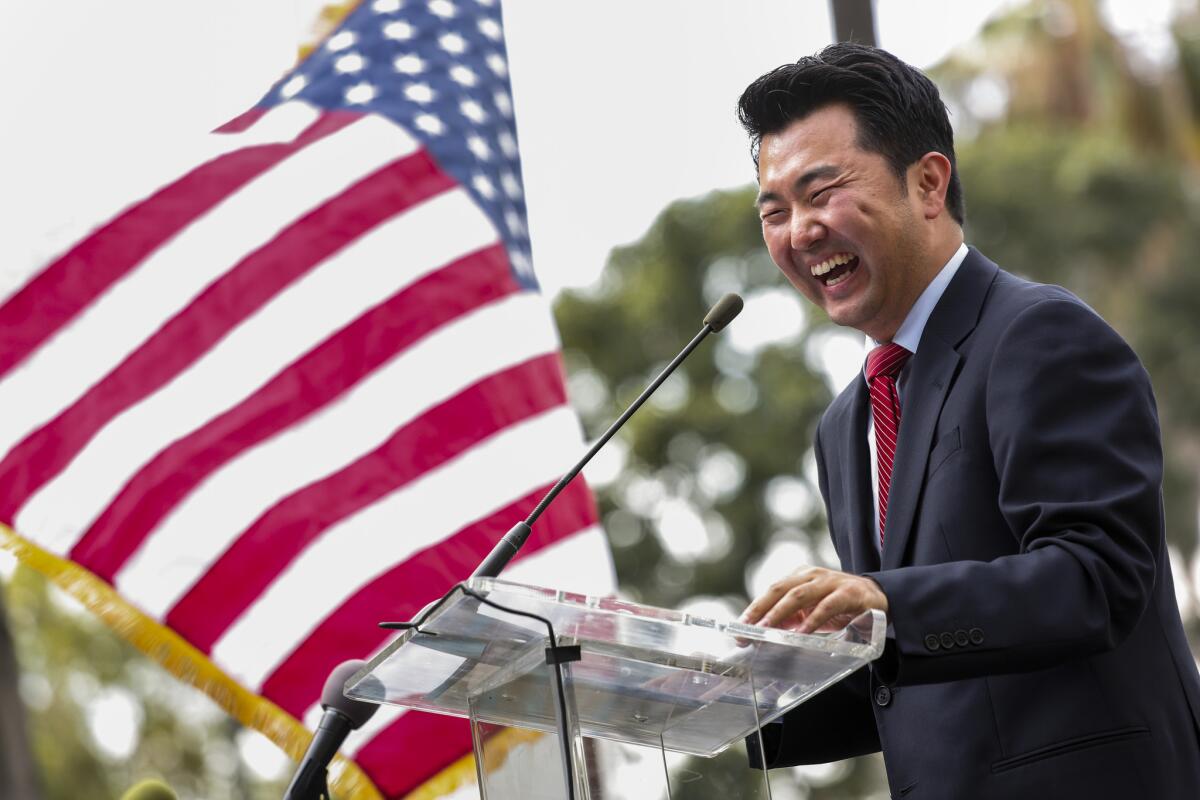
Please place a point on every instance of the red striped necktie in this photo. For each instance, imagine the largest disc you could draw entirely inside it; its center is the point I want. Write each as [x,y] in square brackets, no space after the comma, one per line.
[883,365]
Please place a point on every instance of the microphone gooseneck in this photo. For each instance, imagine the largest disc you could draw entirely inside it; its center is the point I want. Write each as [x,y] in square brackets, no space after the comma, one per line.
[720,315]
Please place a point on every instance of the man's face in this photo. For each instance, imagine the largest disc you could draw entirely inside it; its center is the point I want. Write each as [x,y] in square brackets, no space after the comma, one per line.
[839,224]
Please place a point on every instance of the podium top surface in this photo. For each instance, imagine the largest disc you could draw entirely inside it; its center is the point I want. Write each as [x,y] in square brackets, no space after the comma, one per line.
[647,675]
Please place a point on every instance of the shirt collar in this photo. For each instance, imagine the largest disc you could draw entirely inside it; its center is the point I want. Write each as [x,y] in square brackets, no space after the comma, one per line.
[909,334]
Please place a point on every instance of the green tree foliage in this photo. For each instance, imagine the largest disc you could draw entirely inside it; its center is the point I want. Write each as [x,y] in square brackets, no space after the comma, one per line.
[1090,180]
[75,670]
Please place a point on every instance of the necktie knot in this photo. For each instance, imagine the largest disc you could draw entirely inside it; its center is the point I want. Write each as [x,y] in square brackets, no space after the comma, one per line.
[886,359]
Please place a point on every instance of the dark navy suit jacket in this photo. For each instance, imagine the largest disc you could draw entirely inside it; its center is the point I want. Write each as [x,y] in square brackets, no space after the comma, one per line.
[1038,650]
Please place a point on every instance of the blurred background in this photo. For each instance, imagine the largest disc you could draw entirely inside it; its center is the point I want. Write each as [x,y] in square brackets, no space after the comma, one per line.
[1078,131]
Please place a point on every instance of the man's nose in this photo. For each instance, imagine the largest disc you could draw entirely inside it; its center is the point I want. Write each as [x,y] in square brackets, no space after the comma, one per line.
[807,231]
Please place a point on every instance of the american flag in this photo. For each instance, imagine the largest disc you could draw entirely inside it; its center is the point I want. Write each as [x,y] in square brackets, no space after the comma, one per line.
[305,385]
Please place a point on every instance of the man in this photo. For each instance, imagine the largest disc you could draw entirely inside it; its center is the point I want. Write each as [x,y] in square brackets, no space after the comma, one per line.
[992,479]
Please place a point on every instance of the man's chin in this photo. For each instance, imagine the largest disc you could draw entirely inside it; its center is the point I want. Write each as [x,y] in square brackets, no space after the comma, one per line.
[848,317]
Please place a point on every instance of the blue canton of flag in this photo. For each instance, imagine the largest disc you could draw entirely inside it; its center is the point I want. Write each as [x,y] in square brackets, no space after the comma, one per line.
[440,70]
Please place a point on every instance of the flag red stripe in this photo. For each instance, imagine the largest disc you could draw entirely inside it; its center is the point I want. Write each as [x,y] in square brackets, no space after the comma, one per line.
[314,380]
[350,630]
[266,548]
[423,743]
[242,121]
[228,301]
[83,273]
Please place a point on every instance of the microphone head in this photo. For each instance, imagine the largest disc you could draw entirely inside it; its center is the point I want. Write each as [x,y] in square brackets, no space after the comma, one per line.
[150,790]
[333,695]
[723,311]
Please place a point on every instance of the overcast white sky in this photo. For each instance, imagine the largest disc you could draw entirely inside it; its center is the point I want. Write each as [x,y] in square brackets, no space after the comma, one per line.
[622,106]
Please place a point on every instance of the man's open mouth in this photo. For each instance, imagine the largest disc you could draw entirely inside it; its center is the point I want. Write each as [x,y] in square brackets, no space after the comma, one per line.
[835,269]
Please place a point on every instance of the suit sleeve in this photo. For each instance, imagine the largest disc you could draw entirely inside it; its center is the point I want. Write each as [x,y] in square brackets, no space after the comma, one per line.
[1075,443]
[838,723]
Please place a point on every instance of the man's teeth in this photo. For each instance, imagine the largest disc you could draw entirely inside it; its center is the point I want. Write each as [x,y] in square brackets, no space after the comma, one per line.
[831,262]
[839,279]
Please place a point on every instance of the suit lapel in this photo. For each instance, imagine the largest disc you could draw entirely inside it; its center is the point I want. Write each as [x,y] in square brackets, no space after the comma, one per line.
[856,477]
[925,389]
[926,385]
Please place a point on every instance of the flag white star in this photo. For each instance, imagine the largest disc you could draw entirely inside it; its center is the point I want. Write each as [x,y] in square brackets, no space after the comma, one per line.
[479,147]
[340,41]
[430,124]
[513,220]
[419,92]
[512,186]
[453,43]
[508,145]
[351,62]
[293,86]
[361,93]
[520,262]
[484,186]
[503,103]
[385,6]
[409,64]
[442,8]
[497,64]
[473,111]
[463,75]
[490,28]
[398,30]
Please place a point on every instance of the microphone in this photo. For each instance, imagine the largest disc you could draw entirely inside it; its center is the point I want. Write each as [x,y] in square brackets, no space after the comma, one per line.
[720,315]
[149,790]
[342,715]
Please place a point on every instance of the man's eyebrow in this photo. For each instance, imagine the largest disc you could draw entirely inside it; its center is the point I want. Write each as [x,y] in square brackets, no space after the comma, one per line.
[815,174]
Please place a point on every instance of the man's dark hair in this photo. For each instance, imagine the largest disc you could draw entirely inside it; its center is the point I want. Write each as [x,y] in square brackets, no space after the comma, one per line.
[899,111]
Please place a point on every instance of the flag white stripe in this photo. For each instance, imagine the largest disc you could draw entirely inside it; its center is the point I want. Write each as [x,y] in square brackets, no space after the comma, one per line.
[372,268]
[138,304]
[150,172]
[440,366]
[420,514]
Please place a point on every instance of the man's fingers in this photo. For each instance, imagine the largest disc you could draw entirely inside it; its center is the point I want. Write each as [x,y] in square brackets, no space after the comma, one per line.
[830,607]
[813,598]
[777,591]
[849,598]
[793,601]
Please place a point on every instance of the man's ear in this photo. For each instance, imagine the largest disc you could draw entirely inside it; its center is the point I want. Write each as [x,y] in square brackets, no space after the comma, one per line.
[929,179]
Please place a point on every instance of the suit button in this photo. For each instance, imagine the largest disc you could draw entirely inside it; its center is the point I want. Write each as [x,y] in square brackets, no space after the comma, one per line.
[960,638]
[883,696]
[976,635]
[947,639]
[932,643]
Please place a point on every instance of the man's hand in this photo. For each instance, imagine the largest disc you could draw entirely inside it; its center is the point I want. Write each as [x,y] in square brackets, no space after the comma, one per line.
[815,599]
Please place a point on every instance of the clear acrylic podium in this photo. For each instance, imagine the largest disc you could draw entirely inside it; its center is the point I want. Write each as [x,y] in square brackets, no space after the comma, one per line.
[630,673]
